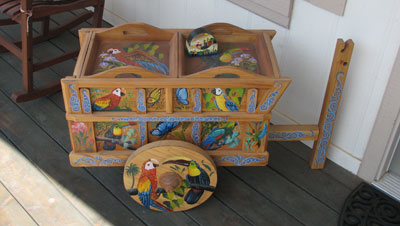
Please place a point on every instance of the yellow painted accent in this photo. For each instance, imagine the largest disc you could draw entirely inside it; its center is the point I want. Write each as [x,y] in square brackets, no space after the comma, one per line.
[221,102]
[154,96]
[102,103]
[226,58]
[193,172]
[144,185]
[117,131]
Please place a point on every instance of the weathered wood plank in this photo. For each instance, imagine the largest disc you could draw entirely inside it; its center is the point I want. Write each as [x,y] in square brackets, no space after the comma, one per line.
[213,212]
[345,177]
[32,189]
[11,211]
[316,182]
[248,203]
[297,202]
[75,183]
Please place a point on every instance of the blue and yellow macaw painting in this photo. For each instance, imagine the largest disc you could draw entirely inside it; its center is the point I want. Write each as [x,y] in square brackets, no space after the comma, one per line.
[227,100]
[149,56]
[220,135]
[118,99]
[112,136]
[182,99]
[255,135]
[170,131]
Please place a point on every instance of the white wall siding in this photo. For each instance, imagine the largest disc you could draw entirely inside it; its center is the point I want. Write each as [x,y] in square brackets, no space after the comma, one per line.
[304,53]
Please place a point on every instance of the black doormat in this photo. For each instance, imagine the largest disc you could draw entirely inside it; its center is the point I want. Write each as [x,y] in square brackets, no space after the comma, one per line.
[368,206]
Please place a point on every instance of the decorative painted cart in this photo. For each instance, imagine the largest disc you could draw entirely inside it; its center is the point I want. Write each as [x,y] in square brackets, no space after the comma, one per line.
[135,85]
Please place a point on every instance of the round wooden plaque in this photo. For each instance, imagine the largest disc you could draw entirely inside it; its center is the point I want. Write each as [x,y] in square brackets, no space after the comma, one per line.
[170,176]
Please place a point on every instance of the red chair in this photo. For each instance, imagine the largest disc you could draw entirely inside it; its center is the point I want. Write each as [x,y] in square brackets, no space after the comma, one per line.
[25,12]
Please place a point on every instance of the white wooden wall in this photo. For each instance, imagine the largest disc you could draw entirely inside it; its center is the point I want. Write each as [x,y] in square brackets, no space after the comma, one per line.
[304,53]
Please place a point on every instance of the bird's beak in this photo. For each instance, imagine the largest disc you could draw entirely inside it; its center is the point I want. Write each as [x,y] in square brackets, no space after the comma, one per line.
[178,162]
[214,91]
[155,162]
[122,94]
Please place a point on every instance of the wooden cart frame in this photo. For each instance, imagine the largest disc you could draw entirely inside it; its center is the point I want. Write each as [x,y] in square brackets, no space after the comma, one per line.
[263,91]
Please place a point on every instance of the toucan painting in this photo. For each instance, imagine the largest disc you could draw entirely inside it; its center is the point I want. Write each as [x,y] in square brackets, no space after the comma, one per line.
[196,175]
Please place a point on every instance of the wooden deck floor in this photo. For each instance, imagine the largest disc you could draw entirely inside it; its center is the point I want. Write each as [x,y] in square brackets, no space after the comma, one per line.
[38,187]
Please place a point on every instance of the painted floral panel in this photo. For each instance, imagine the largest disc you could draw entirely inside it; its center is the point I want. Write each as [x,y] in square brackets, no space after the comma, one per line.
[254,137]
[81,136]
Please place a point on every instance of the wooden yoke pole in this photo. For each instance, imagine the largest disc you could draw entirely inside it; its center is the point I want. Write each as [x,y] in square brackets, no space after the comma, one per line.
[333,94]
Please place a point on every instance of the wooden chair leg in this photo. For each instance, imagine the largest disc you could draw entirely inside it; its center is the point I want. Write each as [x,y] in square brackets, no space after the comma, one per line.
[98,14]
[45,26]
[27,53]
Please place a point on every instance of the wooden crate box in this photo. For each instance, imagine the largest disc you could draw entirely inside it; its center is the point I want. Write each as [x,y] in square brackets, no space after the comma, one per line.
[134,84]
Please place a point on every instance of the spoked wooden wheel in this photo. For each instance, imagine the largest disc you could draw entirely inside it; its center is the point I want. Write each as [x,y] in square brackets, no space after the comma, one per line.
[170,176]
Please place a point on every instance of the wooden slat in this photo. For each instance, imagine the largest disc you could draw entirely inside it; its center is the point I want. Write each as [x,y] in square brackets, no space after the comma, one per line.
[293,132]
[297,202]
[12,212]
[168,100]
[348,179]
[174,83]
[197,98]
[251,100]
[118,158]
[250,204]
[39,196]
[328,190]
[160,116]
[271,53]
[333,94]
[11,47]
[56,60]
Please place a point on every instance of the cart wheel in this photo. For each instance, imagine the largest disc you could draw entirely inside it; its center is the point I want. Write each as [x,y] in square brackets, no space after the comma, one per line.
[170,176]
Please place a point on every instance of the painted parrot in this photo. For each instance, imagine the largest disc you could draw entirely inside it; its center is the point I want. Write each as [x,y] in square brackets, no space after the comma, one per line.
[222,102]
[216,138]
[196,175]
[228,55]
[108,102]
[147,186]
[139,58]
